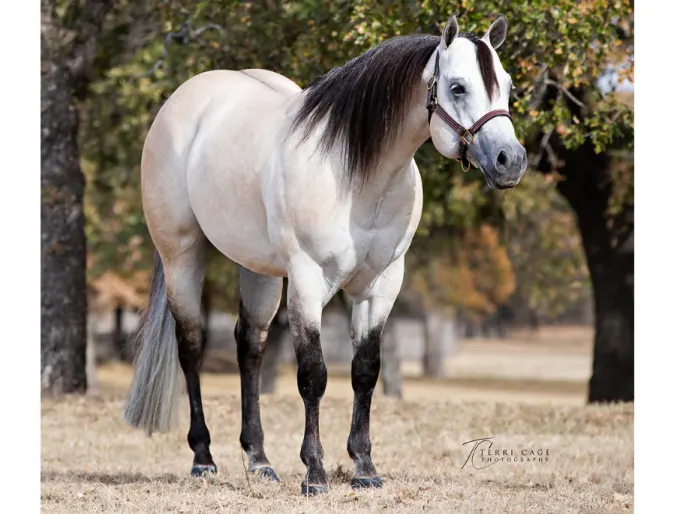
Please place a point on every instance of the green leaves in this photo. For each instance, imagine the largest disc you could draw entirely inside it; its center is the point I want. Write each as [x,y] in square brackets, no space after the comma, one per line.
[544,247]
[554,51]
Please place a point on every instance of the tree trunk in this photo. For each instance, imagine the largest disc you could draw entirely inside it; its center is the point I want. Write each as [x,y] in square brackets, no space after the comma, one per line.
[534,322]
[391,375]
[610,258]
[613,359]
[92,381]
[435,327]
[65,66]
[118,339]
[63,247]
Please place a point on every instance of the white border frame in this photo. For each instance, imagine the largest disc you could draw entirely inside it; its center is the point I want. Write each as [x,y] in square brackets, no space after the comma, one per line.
[20,226]
[19,217]
[654,256]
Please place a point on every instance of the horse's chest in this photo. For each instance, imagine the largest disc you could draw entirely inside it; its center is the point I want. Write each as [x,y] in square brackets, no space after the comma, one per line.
[360,253]
[375,252]
[354,239]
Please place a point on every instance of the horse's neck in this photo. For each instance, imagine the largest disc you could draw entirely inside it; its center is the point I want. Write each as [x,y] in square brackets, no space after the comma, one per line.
[399,156]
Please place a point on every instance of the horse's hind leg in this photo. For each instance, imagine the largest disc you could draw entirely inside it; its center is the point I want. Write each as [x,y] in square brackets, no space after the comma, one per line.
[260,297]
[184,271]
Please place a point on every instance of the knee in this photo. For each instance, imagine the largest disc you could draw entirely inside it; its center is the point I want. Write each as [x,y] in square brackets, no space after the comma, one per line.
[312,375]
[365,366]
[312,379]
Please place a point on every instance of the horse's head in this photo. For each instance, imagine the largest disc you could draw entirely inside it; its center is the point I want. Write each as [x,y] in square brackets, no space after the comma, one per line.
[468,98]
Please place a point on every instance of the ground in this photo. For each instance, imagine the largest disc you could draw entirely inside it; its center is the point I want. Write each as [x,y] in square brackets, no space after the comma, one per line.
[92,462]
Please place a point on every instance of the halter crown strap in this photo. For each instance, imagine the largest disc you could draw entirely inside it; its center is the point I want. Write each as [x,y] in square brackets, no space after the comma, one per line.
[467,134]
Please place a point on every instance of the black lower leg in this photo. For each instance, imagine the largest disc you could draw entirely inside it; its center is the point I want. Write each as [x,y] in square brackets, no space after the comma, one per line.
[250,346]
[364,374]
[190,353]
[312,379]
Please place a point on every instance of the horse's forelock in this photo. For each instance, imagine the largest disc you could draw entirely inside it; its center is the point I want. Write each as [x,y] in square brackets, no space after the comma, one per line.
[485,60]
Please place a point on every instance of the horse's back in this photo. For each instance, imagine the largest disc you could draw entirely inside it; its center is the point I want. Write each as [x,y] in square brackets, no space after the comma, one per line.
[182,114]
[278,83]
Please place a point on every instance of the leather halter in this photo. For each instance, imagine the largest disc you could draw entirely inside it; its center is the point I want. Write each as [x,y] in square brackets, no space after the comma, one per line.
[467,135]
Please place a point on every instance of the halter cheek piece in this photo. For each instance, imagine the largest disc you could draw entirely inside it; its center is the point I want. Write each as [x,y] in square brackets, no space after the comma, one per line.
[467,134]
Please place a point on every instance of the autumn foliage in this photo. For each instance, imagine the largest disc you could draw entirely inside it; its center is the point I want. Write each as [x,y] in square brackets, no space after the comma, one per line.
[474,248]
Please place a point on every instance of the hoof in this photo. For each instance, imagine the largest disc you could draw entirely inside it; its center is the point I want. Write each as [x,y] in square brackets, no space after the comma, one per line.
[314,489]
[201,470]
[267,472]
[366,482]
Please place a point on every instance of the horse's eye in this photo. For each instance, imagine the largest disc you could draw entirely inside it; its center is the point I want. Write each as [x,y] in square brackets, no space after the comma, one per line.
[457,89]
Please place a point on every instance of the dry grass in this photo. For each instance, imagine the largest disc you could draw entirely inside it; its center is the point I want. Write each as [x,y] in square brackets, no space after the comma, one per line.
[92,462]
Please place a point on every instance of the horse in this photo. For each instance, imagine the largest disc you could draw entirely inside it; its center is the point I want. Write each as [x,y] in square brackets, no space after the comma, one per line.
[318,185]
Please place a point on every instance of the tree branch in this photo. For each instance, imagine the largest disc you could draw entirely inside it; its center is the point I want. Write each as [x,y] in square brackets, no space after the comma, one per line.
[544,142]
[185,34]
[537,89]
[566,92]
[181,33]
[555,162]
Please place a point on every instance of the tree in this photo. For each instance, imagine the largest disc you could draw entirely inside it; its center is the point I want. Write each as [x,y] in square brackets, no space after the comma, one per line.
[66,56]
[608,239]
[555,52]
[545,248]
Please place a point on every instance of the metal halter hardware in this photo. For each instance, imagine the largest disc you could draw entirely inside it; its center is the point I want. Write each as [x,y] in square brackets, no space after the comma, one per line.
[467,135]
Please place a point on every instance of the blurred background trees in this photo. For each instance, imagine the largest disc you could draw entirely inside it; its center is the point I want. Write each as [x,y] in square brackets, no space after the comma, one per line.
[561,239]
[68,38]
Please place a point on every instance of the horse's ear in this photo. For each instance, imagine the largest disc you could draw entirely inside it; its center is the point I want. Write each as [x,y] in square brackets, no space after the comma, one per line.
[450,31]
[497,32]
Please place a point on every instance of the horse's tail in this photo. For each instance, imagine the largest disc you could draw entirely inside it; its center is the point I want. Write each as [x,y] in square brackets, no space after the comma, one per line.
[158,380]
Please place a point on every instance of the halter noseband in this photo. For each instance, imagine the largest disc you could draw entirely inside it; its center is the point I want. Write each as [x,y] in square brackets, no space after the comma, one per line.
[467,134]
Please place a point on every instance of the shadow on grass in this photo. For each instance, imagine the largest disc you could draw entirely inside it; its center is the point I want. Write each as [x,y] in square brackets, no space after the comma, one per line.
[110,478]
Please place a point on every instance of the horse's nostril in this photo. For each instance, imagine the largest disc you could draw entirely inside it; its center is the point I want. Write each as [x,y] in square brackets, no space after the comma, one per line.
[502,158]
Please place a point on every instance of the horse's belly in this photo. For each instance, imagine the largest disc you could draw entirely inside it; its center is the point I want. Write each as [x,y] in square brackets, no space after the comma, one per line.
[243,244]
[250,251]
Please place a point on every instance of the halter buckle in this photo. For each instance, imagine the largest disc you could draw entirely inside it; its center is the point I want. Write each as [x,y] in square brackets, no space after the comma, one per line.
[464,139]
[431,83]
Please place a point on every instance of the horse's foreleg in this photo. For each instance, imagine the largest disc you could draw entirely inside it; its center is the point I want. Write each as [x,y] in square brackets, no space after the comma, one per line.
[184,274]
[368,318]
[305,302]
[260,296]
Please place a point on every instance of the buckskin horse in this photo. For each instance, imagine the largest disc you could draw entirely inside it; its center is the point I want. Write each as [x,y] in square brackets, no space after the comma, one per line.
[318,185]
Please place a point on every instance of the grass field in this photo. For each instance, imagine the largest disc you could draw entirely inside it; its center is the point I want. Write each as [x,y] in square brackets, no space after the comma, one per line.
[92,462]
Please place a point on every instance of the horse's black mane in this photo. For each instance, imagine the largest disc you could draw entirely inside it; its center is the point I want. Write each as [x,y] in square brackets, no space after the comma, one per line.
[366,99]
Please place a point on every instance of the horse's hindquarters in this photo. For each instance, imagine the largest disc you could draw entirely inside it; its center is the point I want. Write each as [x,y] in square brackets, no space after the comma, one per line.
[201,167]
